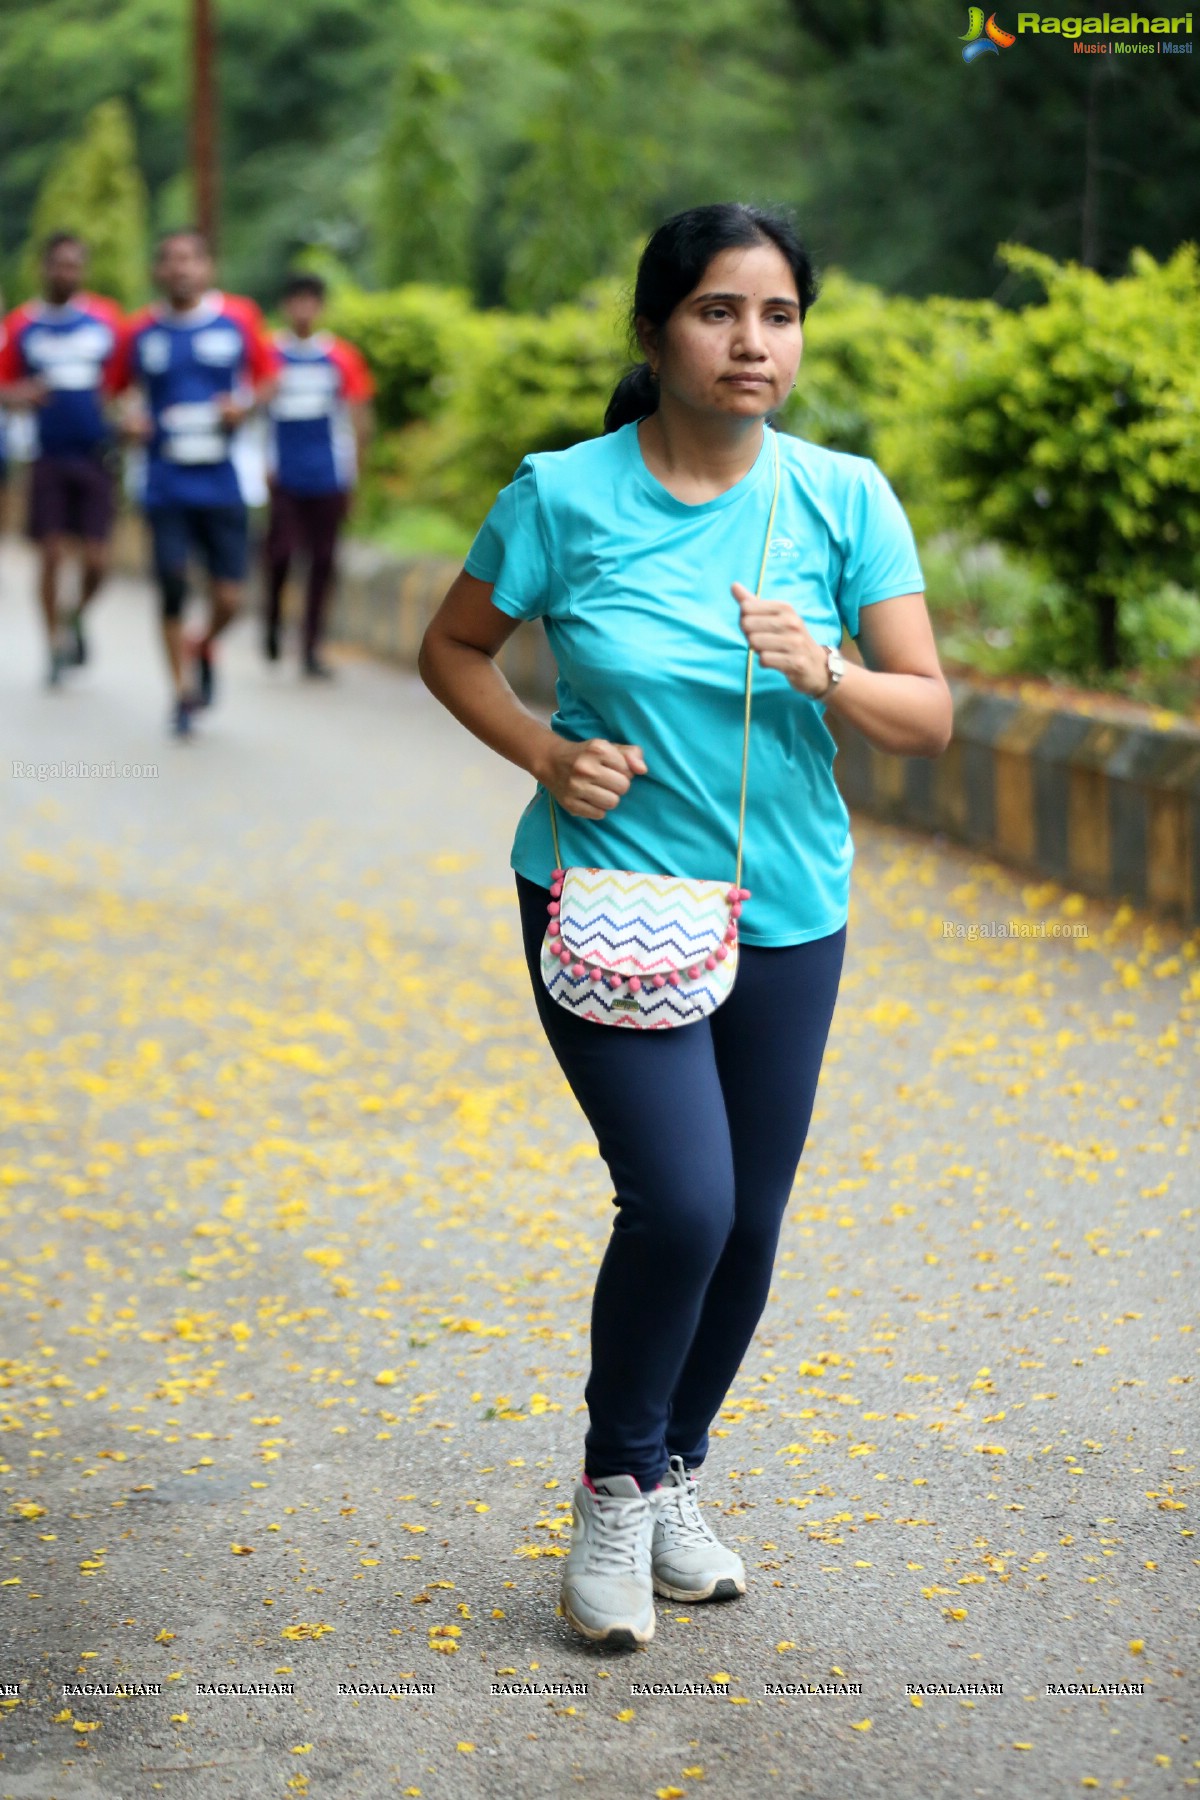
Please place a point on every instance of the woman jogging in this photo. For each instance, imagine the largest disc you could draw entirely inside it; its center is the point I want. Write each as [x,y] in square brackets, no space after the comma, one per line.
[639,550]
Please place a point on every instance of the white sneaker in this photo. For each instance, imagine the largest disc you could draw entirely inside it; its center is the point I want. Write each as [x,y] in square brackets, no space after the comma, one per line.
[687,1561]
[607,1592]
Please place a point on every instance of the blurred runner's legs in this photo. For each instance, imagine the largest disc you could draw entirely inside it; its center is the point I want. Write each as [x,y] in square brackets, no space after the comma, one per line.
[57,355]
[319,418]
[308,525]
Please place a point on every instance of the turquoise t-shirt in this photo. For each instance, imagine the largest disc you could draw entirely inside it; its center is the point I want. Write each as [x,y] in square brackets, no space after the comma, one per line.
[633,587]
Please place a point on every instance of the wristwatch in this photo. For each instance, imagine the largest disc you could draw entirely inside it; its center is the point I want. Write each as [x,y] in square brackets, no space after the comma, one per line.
[837,668]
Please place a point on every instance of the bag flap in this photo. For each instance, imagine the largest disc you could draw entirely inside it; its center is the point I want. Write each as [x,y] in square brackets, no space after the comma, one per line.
[641,924]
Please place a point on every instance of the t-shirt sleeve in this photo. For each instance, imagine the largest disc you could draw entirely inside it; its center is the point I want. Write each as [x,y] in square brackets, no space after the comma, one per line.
[121,370]
[12,363]
[262,358]
[881,559]
[358,384]
[510,549]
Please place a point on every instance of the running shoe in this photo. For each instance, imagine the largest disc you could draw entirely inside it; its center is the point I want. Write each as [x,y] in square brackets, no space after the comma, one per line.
[687,1561]
[76,642]
[181,718]
[318,670]
[607,1591]
[202,656]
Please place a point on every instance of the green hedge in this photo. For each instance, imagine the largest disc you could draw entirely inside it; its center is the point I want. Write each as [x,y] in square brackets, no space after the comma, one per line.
[528,382]
[412,337]
[1070,432]
[857,340]
[1067,432]
[464,395]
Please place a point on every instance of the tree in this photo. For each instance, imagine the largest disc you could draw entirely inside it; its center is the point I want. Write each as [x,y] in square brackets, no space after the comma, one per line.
[424,190]
[905,165]
[573,201]
[915,165]
[1069,430]
[95,188]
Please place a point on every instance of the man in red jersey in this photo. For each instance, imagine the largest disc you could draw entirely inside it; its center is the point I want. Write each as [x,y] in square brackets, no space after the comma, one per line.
[202,363]
[56,359]
[319,416]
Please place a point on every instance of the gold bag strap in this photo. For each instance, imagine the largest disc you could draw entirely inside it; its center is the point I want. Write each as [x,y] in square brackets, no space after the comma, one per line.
[762,570]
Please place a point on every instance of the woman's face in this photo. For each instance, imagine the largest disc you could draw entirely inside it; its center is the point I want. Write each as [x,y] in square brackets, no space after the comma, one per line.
[733,345]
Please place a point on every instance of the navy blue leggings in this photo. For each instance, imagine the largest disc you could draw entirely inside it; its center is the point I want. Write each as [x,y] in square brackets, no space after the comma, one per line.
[702,1127]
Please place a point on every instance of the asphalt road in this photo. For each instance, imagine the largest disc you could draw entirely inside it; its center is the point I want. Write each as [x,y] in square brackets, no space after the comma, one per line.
[300,1224]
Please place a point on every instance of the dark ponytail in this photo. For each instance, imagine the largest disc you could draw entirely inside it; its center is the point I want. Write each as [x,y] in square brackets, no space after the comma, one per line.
[672,265]
[634,397]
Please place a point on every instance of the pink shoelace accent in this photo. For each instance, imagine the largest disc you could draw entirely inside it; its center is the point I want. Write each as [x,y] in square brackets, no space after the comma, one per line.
[589,1483]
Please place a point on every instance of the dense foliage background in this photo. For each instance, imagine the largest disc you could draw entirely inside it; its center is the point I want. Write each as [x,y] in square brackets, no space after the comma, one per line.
[1061,439]
[1007,320]
[515,146]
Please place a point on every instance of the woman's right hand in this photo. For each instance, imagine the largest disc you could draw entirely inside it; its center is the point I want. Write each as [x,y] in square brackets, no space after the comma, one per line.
[588,779]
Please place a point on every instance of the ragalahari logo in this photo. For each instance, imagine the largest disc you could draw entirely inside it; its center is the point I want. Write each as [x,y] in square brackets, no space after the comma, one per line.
[982,39]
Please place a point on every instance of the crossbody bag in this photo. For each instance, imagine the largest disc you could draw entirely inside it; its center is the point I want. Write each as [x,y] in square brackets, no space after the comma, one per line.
[635,948]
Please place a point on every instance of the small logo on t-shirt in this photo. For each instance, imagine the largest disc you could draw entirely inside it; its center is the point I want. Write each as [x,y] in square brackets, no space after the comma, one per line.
[155,352]
[218,347]
[783,547]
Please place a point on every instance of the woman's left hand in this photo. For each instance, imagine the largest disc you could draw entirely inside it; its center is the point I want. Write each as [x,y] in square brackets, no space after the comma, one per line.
[783,641]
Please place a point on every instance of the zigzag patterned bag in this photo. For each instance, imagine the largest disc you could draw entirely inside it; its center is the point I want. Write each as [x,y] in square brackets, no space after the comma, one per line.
[625,947]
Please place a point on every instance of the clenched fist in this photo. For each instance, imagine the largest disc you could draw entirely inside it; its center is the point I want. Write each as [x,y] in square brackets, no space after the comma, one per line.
[588,779]
[783,641]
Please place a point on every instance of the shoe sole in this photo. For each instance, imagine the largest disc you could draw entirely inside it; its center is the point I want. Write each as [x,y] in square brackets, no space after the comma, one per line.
[617,1637]
[727,1588]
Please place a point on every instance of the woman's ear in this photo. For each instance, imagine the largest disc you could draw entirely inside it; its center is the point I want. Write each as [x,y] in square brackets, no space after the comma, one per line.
[647,336]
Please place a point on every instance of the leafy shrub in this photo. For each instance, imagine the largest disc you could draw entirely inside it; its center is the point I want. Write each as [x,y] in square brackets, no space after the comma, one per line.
[979,597]
[1049,460]
[526,382]
[993,614]
[855,339]
[1071,431]
[413,337]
